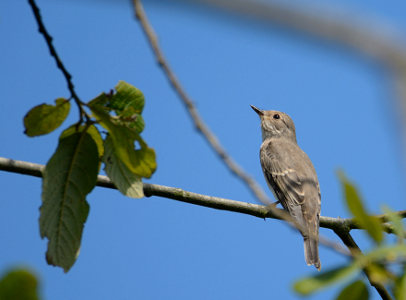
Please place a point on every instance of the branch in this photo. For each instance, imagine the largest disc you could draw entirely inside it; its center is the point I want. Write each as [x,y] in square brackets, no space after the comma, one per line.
[369,39]
[347,239]
[59,63]
[361,35]
[260,211]
[201,127]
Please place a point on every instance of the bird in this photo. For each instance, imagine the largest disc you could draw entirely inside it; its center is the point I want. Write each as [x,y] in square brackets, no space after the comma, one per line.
[291,177]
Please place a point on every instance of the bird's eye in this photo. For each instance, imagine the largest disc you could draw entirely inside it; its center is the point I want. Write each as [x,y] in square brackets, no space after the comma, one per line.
[276,116]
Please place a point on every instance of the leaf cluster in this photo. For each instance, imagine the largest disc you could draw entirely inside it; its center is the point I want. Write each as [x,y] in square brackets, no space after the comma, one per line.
[71,173]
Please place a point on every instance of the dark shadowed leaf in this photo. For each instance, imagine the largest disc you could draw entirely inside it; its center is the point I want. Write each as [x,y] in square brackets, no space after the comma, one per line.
[69,176]
[92,131]
[356,207]
[127,183]
[312,284]
[45,118]
[354,291]
[19,284]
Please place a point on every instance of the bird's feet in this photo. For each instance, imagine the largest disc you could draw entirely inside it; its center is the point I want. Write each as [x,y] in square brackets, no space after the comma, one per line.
[274,204]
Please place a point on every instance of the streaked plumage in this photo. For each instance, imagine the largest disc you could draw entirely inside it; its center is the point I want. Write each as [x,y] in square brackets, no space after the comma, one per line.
[291,177]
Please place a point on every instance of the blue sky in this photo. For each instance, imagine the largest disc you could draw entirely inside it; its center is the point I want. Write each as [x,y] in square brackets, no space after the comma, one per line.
[156,248]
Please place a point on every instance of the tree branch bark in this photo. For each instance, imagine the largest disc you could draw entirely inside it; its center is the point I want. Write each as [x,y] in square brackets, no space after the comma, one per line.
[366,37]
[256,210]
[201,127]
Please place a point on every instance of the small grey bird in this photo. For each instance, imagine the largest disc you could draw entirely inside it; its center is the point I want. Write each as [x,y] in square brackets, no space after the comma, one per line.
[291,177]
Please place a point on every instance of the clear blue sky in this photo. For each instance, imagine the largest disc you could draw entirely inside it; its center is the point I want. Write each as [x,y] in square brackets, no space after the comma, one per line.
[155,248]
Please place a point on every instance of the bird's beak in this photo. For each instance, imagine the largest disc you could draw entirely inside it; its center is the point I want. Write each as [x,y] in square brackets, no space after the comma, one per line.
[260,112]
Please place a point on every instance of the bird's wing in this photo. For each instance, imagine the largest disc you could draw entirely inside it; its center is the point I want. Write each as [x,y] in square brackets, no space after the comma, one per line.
[291,176]
[283,178]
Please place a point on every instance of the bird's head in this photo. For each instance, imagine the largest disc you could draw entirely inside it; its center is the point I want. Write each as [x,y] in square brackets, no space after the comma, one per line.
[275,124]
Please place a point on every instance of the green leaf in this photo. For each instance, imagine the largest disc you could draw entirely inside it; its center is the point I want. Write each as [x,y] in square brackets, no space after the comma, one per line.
[91,130]
[145,159]
[142,161]
[19,284]
[127,183]
[127,103]
[396,221]
[45,118]
[400,286]
[69,176]
[354,291]
[95,134]
[312,284]
[378,273]
[356,207]
[127,97]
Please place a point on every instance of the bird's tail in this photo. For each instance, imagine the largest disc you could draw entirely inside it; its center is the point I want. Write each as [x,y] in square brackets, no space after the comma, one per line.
[311,252]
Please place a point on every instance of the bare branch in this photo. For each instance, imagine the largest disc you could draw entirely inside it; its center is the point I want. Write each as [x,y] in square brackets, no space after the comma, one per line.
[367,37]
[347,239]
[260,211]
[27,168]
[201,127]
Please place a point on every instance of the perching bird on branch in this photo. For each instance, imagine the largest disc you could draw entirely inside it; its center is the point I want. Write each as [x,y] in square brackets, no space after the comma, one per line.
[291,177]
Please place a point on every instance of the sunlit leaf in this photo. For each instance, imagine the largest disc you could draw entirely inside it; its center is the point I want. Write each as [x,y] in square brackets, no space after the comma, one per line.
[127,183]
[19,284]
[69,176]
[145,159]
[396,221]
[45,118]
[127,96]
[354,291]
[95,134]
[123,138]
[312,284]
[356,207]
[127,103]
[142,161]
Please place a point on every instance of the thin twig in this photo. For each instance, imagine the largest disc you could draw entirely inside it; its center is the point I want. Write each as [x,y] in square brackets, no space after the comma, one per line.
[194,114]
[345,236]
[260,211]
[59,63]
